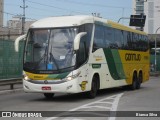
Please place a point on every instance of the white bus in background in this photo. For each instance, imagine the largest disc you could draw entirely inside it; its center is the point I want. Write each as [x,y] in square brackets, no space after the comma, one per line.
[73,54]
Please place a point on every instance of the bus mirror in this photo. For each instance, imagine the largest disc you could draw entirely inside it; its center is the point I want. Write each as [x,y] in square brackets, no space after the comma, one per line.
[77,40]
[16,43]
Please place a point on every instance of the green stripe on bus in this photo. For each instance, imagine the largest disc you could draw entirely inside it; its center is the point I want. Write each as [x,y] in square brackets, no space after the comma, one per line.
[114,64]
[58,76]
[111,63]
[118,64]
[63,75]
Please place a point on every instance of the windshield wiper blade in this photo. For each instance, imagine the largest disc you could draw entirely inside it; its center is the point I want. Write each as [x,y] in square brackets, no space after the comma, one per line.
[54,60]
[44,55]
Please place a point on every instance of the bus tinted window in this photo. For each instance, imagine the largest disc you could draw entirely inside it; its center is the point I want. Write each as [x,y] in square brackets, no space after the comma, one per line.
[87,38]
[145,43]
[140,42]
[129,40]
[109,37]
[98,37]
[135,41]
[118,38]
[125,42]
[81,55]
[83,52]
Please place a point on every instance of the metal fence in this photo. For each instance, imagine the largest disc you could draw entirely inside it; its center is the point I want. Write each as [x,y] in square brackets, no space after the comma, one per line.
[10,61]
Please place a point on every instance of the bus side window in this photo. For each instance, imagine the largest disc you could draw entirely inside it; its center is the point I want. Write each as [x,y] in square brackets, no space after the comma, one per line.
[82,57]
[135,41]
[145,43]
[118,39]
[98,37]
[141,43]
[125,43]
[129,40]
[109,37]
[87,38]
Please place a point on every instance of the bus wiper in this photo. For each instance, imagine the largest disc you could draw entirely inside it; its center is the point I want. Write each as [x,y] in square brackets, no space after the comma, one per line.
[44,55]
[51,56]
[54,61]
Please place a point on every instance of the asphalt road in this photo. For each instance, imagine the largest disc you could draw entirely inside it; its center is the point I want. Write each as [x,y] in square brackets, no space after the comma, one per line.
[145,99]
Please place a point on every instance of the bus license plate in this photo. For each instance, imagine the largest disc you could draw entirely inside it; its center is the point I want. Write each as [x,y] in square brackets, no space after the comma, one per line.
[46,88]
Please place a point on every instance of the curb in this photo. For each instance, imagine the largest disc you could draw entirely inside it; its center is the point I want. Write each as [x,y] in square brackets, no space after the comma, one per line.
[10,91]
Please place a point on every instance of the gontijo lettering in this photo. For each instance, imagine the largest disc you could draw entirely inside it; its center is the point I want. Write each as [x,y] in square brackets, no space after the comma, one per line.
[132,57]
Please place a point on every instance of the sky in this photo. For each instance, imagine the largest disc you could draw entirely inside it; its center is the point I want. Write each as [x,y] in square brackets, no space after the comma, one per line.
[38,9]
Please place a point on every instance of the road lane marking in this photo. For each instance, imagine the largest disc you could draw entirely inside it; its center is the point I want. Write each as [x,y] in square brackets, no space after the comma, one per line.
[111,100]
[97,107]
[115,105]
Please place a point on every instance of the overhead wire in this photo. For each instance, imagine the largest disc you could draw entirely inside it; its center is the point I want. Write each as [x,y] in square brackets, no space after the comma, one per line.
[30,8]
[64,9]
[92,4]
[15,15]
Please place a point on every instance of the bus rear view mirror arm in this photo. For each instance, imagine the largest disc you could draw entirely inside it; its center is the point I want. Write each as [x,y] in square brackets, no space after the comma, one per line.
[77,40]
[16,43]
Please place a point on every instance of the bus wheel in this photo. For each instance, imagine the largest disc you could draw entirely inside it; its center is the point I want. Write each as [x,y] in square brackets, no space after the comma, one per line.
[94,88]
[139,81]
[49,95]
[134,82]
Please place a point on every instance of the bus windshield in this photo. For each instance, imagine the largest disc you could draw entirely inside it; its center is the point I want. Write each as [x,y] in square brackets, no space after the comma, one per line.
[50,49]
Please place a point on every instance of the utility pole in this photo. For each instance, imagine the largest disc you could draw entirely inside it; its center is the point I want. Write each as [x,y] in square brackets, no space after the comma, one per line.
[23,16]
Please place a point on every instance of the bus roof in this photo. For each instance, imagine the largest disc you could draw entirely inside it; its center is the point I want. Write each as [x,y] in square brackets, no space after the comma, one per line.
[68,21]
[62,21]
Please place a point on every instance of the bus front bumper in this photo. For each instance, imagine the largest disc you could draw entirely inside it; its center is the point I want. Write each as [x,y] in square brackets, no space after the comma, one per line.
[65,87]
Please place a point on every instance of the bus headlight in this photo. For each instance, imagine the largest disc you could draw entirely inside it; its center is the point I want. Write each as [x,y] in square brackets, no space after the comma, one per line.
[69,78]
[72,77]
[25,77]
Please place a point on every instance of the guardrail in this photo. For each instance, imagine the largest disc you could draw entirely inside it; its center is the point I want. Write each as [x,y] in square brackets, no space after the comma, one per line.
[10,82]
[156,74]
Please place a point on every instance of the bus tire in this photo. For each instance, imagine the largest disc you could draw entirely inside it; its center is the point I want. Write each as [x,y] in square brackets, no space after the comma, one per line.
[139,81]
[94,88]
[134,82]
[48,95]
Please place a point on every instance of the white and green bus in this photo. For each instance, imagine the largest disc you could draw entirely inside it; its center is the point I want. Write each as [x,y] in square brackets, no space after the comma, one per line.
[73,54]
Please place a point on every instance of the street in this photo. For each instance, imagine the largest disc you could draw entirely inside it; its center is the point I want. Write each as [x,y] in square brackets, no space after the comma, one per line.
[117,99]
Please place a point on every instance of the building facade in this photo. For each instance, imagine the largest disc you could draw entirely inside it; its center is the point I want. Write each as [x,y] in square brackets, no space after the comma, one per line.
[151,8]
[16,23]
[14,28]
[1,12]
